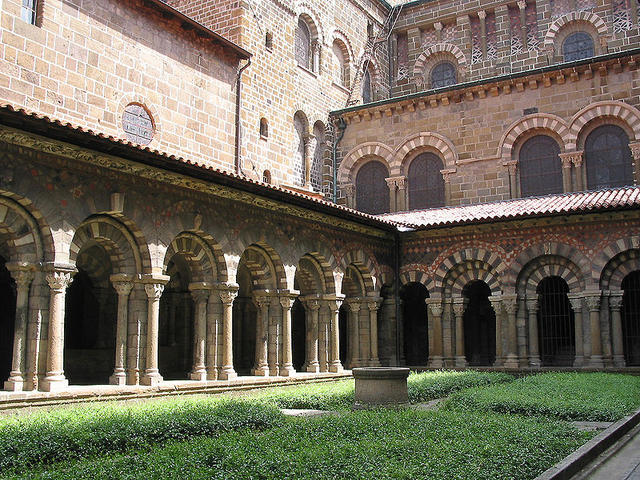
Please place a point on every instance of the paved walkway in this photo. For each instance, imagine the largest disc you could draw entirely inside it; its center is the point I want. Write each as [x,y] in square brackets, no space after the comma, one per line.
[621,462]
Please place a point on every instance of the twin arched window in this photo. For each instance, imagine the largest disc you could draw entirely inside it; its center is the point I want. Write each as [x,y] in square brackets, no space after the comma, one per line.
[577,46]
[540,167]
[372,193]
[426,185]
[443,75]
[608,158]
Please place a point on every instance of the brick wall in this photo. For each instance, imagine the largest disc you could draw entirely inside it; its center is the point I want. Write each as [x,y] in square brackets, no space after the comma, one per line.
[88,59]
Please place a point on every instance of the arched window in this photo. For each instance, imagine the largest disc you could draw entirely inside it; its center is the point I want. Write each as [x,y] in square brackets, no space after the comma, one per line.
[608,158]
[479,321]
[631,318]
[372,192]
[556,325]
[264,128]
[443,75]
[426,185]
[341,65]
[318,157]
[540,167]
[266,176]
[367,94]
[577,46]
[415,321]
[299,168]
[303,44]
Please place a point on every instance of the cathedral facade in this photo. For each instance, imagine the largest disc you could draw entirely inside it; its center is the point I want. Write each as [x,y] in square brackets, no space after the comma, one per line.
[196,191]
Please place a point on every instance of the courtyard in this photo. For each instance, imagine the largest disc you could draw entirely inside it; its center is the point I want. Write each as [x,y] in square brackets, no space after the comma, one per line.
[462,425]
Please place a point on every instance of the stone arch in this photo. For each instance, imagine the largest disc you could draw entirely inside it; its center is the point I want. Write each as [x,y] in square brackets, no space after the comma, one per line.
[126,254]
[423,141]
[544,123]
[433,55]
[342,37]
[618,268]
[559,24]
[473,258]
[380,151]
[309,15]
[323,270]
[467,271]
[199,254]
[627,114]
[549,266]
[414,276]
[266,267]
[313,276]
[365,267]
[29,239]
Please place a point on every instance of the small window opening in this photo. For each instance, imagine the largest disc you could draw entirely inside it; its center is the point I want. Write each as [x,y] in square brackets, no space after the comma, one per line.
[268,42]
[29,11]
[266,176]
[264,128]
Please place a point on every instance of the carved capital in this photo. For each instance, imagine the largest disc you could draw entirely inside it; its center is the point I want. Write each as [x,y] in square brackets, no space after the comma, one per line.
[482,14]
[22,274]
[354,307]
[437,26]
[349,189]
[262,301]
[373,305]
[576,303]
[510,305]
[458,307]
[122,287]
[593,302]
[200,295]
[532,305]
[497,303]
[571,158]
[312,304]
[635,150]
[435,307]
[615,301]
[446,174]
[154,290]
[286,302]
[228,296]
[522,4]
[59,280]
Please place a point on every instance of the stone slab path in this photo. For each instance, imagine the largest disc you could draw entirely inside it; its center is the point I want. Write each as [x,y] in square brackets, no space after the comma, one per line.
[620,462]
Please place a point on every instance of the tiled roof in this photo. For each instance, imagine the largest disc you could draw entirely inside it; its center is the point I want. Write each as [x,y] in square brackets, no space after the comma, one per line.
[47,127]
[548,205]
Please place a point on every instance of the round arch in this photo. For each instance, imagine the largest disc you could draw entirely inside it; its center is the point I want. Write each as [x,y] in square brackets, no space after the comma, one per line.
[435,54]
[540,123]
[620,111]
[549,266]
[358,155]
[561,23]
[423,141]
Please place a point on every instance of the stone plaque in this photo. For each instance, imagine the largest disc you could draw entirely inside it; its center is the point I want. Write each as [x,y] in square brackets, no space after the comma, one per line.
[137,124]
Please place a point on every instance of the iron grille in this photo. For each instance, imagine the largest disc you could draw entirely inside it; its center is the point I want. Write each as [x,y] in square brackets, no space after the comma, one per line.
[540,167]
[631,318]
[556,327]
[479,326]
[608,158]
[372,192]
[426,185]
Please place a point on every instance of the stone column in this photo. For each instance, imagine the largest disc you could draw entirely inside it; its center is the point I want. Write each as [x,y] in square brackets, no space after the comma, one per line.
[615,304]
[510,305]
[335,365]
[522,5]
[261,368]
[496,304]
[200,293]
[349,190]
[286,370]
[482,15]
[58,280]
[458,311]
[313,310]
[310,144]
[512,167]
[393,201]
[534,352]
[123,285]
[374,361]
[323,341]
[576,305]
[227,297]
[435,310]
[23,275]
[213,336]
[446,177]
[578,165]
[635,153]
[154,289]
[401,199]
[567,168]
[593,304]
[354,336]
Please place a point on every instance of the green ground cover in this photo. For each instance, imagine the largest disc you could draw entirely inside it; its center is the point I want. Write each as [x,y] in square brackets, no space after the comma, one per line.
[492,427]
[362,445]
[568,396]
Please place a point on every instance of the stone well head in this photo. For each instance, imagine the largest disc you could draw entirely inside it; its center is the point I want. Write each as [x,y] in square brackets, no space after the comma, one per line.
[380,386]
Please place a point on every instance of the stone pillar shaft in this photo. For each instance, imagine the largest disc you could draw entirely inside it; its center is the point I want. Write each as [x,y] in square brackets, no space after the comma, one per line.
[435,355]
[201,298]
[261,368]
[576,305]
[510,305]
[534,352]
[374,361]
[287,358]
[23,276]
[458,310]
[615,304]
[335,364]
[313,310]
[593,303]
[227,296]
[154,291]
[123,287]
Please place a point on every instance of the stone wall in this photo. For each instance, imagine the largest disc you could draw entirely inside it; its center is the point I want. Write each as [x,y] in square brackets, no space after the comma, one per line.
[84,62]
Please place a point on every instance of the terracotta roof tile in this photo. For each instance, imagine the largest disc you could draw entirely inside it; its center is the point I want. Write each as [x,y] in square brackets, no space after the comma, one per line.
[612,198]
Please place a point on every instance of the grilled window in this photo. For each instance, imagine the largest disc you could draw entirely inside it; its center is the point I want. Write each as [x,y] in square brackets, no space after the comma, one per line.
[426,185]
[556,323]
[608,158]
[479,325]
[29,11]
[443,75]
[577,46]
[367,96]
[303,44]
[540,167]
[631,318]
[372,193]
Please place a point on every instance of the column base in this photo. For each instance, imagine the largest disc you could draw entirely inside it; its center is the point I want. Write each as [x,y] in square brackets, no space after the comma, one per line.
[336,368]
[374,362]
[227,373]
[596,361]
[578,361]
[535,362]
[199,375]
[511,362]
[619,361]
[313,368]
[213,373]
[54,383]
[151,378]
[287,371]
[260,371]
[436,362]
[461,362]
[15,383]
[118,378]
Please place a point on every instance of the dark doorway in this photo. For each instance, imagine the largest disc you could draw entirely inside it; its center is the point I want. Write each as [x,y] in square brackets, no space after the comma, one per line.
[175,334]
[343,315]
[7,319]
[631,318]
[298,335]
[415,321]
[245,315]
[556,324]
[479,325]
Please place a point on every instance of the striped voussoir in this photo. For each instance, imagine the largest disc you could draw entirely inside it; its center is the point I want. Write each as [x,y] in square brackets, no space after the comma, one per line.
[559,23]
[377,150]
[421,141]
[198,255]
[540,122]
[549,266]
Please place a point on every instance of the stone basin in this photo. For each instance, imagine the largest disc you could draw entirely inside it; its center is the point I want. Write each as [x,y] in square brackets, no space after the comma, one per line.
[380,386]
